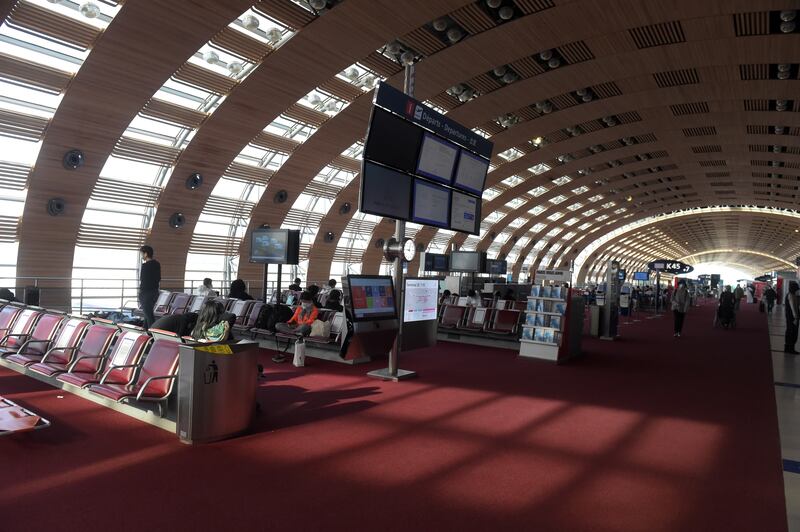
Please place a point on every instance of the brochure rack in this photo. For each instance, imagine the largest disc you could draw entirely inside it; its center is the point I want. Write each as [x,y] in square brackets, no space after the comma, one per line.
[553,324]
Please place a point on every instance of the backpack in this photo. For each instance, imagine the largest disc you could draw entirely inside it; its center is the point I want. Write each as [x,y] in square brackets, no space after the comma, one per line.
[272,314]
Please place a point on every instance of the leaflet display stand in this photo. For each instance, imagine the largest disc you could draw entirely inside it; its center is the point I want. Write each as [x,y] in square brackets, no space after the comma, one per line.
[553,324]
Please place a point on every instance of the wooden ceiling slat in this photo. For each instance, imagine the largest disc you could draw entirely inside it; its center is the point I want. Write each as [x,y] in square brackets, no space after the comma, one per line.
[473,19]
[49,25]
[381,65]
[173,114]
[21,126]
[746,24]
[575,52]
[445,101]
[306,115]
[322,190]
[126,193]
[270,141]
[348,164]
[248,174]
[33,75]
[102,236]
[13,176]
[534,6]
[527,67]
[422,41]
[484,83]
[146,152]
[303,218]
[8,228]
[339,88]
[202,78]
[241,45]
[285,12]
[234,208]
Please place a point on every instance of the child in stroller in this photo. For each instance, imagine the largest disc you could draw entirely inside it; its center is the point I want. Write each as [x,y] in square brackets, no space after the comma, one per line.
[726,313]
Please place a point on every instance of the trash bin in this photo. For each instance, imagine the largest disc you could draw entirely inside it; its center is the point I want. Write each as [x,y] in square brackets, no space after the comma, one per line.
[595,314]
[216,391]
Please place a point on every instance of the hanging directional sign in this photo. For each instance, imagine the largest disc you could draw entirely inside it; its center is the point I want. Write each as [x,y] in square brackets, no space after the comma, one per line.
[670,266]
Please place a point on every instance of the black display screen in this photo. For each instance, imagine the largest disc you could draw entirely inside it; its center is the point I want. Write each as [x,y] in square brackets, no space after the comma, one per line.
[393,141]
[385,192]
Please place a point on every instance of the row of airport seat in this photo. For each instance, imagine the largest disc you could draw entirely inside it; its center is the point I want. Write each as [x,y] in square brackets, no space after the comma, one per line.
[502,321]
[121,363]
[487,302]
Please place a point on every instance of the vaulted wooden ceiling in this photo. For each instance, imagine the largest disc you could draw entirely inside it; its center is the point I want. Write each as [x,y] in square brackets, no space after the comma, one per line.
[653,107]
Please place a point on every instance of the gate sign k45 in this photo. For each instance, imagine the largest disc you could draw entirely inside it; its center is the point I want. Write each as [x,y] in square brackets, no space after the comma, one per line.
[670,266]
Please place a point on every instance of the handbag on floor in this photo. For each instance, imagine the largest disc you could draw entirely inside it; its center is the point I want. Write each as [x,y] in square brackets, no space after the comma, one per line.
[299,353]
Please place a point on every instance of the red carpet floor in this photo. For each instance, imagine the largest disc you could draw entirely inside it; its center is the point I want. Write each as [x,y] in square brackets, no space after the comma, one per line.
[649,433]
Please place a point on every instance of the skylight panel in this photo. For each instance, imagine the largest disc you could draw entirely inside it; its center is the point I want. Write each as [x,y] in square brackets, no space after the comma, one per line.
[580,190]
[563,180]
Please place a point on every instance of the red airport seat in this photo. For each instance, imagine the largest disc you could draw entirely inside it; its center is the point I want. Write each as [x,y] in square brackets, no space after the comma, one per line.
[8,316]
[452,316]
[162,303]
[179,303]
[240,309]
[196,303]
[11,341]
[63,349]
[504,321]
[247,322]
[154,381]
[476,319]
[36,345]
[88,369]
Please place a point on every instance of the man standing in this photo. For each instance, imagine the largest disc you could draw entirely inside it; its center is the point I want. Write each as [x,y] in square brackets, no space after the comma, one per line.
[738,294]
[680,306]
[149,279]
[792,318]
[770,295]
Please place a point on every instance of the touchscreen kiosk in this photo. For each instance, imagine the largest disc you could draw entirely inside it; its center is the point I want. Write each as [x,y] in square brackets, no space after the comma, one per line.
[471,172]
[372,297]
[385,192]
[431,204]
[465,213]
[275,246]
[437,159]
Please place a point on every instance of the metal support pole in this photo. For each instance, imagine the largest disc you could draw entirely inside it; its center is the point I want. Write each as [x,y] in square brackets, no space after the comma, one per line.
[278,284]
[266,266]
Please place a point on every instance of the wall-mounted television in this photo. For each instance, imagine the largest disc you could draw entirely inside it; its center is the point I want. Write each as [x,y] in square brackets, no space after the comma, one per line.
[641,276]
[437,158]
[371,297]
[496,266]
[275,246]
[431,204]
[436,262]
[465,213]
[471,172]
[393,141]
[467,261]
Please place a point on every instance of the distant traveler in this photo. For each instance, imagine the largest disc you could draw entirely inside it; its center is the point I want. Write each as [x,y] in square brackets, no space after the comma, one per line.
[770,295]
[180,324]
[295,286]
[300,323]
[334,301]
[206,289]
[792,306]
[738,294]
[329,287]
[445,299]
[314,291]
[750,293]
[237,291]
[727,306]
[149,280]
[472,299]
[680,306]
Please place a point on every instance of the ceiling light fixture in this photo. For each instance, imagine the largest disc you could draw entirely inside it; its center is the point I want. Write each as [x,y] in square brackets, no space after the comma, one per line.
[440,24]
[318,4]
[454,35]
[90,10]
[235,68]
[506,12]
[250,22]
[211,57]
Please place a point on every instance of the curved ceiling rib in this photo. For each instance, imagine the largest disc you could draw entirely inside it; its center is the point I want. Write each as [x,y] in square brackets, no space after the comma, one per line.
[135,54]
[353,29]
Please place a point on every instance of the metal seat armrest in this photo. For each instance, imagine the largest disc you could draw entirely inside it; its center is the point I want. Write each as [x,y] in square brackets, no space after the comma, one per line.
[147,383]
[6,337]
[47,354]
[84,357]
[112,368]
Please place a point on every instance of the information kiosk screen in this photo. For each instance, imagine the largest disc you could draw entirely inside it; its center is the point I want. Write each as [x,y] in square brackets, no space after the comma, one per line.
[274,246]
[385,192]
[437,159]
[465,261]
[422,296]
[465,213]
[431,204]
[393,141]
[372,297]
[471,172]
[641,276]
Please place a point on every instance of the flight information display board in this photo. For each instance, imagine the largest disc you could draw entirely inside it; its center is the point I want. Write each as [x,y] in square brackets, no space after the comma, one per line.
[420,166]
[421,298]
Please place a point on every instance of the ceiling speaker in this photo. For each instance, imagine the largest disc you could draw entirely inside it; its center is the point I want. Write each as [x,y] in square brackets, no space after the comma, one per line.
[56,206]
[281,196]
[379,243]
[329,236]
[194,181]
[492,235]
[73,159]
[345,208]
[177,220]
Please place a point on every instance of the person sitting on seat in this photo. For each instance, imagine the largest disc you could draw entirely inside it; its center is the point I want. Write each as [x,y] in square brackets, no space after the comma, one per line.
[300,323]
[473,300]
[237,291]
[330,287]
[180,324]
[334,301]
[212,325]
[206,289]
[7,294]
[295,286]
[445,299]
[314,291]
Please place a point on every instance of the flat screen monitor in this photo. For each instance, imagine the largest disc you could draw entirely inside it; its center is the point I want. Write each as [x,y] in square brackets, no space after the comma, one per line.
[274,246]
[421,299]
[466,261]
[431,204]
[465,213]
[471,172]
[437,158]
[371,297]
[393,141]
[496,267]
[436,262]
[641,276]
[621,275]
[385,192]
